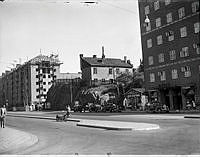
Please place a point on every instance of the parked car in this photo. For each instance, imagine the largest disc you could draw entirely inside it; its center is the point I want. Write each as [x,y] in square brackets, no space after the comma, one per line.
[157,107]
[94,107]
[110,107]
[80,108]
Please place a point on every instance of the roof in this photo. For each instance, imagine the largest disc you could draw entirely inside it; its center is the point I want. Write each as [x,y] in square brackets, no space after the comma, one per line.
[41,57]
[106,62]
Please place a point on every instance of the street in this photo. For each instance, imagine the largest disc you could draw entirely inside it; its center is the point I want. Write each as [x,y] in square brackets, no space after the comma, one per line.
[175,136]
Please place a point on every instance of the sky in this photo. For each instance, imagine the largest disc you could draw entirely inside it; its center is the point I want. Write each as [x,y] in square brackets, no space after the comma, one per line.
[31,27]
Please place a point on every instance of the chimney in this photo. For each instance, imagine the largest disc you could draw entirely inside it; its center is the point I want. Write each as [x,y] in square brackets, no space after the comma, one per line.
[81,55]
[94,56]
[125,59]
[103,55]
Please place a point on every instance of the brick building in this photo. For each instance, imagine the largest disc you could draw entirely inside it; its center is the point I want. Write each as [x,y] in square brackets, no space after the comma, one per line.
[170,46]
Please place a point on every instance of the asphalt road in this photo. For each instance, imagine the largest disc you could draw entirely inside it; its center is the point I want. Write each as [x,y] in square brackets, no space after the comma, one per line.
[176,136]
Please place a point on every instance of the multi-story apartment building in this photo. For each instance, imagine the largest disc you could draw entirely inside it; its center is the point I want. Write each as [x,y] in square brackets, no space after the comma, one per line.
[27,84]
[103,70]
[170,46]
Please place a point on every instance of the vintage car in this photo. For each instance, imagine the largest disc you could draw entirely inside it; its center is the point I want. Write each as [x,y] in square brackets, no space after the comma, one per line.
[157,107]
[110,107]
[80,108]
[94,107]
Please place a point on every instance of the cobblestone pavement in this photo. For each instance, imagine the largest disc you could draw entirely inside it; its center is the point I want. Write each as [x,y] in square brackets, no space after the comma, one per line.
[12,140]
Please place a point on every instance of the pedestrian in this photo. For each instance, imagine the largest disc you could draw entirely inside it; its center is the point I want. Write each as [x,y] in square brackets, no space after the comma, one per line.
[3,116]
[193,104]
[68,110]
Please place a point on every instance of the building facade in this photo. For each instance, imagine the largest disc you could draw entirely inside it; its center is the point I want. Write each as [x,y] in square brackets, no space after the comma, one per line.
[102,70]
[170,47]
[28,84]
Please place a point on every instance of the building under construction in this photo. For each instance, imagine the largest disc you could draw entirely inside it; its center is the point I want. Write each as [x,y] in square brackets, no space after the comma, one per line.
[27,84]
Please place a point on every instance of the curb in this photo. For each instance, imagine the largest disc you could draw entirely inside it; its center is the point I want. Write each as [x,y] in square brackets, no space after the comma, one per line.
[196,117]
[103,127]
[37,117]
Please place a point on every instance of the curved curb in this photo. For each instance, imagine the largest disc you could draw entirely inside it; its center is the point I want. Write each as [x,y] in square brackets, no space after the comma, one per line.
[16,140]
[117,125]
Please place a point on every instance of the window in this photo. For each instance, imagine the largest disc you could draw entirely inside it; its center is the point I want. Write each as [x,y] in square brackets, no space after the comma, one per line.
[162,75]
[196,27]
[174,74]
[167,2]
[184,52]
[169,17]
[186,70]
[181,12]
[149,43]
[152,77]
[49,83]
[158,22]
[156,5]
[44,76]
[44,83]
[161,57]
[172,55]
[150,60]
[110,71]
[49,76]
[195,7]
[146,10]
[44,90]
[183,32]
[170,35]
[37,83]
[117,71]
[103,80]
[159,40]
[36,69]
[148,27]
[37,90]
[36,76]
[95,80]
[94,70]
[196,47]
[54,70]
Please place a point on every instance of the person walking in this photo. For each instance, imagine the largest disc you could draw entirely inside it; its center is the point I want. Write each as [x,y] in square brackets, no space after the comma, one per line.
[68,111]
[3,113]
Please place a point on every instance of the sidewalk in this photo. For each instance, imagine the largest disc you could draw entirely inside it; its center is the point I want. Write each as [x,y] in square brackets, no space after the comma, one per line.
[12,140]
